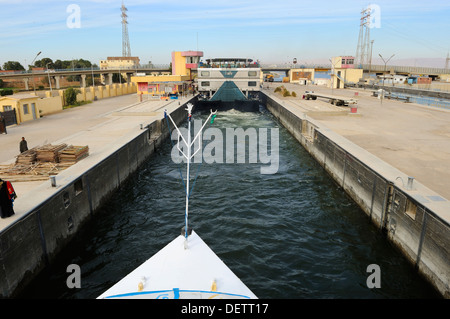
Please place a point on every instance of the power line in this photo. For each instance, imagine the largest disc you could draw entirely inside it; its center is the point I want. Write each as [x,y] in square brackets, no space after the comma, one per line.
[426,43]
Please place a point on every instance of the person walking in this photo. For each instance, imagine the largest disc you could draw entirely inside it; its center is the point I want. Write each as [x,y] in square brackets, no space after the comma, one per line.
[23,145]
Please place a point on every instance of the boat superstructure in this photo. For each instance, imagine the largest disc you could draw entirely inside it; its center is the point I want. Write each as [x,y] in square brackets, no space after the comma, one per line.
[228,82]
[186,268]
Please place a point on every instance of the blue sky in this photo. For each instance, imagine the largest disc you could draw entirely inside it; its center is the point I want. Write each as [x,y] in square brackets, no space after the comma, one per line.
[270,31]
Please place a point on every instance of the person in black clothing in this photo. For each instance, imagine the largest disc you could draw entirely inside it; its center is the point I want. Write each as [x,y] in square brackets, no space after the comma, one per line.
[6,202]
[2,125]
[23,145]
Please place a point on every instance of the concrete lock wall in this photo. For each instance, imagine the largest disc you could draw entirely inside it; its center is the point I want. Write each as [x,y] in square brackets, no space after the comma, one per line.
[32,242]
[418,232]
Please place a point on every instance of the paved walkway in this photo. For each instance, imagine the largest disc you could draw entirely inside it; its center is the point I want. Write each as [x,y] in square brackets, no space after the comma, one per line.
[51,128]
[103,125]
[413,138]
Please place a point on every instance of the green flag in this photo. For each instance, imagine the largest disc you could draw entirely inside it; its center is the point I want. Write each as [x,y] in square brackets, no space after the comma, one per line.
[212,118]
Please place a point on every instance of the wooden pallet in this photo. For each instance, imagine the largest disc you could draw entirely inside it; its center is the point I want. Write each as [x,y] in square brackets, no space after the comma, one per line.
[49,152]
[39,163]
[73,154]
[27,157]
[31,172]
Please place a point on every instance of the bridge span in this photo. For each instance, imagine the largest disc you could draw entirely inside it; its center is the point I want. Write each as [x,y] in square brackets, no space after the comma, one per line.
[26,76]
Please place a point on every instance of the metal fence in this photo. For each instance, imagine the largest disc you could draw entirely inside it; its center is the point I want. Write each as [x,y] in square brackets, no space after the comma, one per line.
[406,69]
[140,67]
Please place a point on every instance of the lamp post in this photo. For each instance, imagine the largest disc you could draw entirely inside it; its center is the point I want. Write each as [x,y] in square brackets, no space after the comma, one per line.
[332,74]
[92,70]
[48,73]
[32,64]
[385,63]
[370,61]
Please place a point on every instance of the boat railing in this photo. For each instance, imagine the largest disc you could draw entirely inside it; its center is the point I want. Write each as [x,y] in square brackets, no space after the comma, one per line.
[229,65]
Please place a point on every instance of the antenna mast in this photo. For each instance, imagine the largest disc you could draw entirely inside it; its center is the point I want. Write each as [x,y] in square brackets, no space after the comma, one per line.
[363,48]
[126,51]
[189,143]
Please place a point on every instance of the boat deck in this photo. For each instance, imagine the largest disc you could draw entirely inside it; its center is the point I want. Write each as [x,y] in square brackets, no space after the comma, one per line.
[178,273]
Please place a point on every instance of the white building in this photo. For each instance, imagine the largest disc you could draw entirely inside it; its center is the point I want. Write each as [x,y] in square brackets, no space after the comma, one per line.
[393,79]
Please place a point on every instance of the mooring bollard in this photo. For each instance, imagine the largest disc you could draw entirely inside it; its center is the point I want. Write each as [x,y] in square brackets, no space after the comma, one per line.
[53,180]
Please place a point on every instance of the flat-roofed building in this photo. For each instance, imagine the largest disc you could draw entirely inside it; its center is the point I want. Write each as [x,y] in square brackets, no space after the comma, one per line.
[23,106]
[343,71]
[161,86]
[121,62]
[185,62]
[343,62]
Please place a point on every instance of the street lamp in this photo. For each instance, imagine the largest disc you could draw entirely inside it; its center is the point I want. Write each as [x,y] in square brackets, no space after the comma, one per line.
[92,70]
[332,74]
[370,61]
[48,73]
[385,63]
[32,64]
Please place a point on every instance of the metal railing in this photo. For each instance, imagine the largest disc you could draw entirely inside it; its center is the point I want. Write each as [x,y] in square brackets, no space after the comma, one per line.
[406,69]
[295,66]
[140,67]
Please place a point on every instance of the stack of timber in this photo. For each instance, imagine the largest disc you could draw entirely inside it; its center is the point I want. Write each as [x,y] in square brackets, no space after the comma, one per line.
[30,172]
[27,157]
[73,154]
[38,163]
[49,152]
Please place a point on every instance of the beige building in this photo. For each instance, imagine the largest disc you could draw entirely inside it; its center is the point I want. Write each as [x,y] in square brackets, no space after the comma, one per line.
[161,86]
[343,62]
[185,62]
[24,105]
[301,76]
[27,107]
[126,62]
[340,77]
[165,85]
[343,71]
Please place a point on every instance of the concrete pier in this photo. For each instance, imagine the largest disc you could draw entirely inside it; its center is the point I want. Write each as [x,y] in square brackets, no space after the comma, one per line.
[372,154]
[121,134]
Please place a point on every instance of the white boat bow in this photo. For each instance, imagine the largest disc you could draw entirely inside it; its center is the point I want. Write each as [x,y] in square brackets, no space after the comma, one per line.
[178,273]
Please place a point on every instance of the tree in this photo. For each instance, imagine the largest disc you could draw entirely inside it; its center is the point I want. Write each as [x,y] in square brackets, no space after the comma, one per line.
[118,78]
[70,95]
[13,65]
[64,64]
[81,64]
[58,64]
[42,63]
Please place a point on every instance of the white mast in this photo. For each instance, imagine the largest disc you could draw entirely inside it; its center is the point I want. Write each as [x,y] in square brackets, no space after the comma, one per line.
[188,157]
